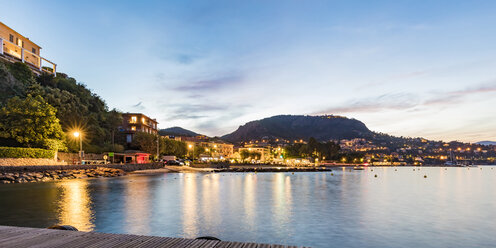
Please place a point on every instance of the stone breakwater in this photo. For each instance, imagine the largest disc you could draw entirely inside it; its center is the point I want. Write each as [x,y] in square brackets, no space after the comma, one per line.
[45,176]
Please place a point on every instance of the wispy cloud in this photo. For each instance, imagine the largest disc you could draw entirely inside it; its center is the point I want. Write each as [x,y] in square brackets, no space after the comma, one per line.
[138,107]
[210,84]
[407,101]
[397,101]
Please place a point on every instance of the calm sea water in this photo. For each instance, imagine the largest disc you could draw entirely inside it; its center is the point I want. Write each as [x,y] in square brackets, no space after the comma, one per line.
[452,207]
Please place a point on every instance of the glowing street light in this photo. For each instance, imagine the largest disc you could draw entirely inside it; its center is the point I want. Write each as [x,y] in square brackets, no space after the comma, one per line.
[78,134]
[190,146]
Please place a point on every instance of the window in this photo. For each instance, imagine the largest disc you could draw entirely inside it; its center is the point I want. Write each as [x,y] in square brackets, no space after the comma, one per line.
[143,120]
[133,128]
[11,38]
[33,50]
[133,119]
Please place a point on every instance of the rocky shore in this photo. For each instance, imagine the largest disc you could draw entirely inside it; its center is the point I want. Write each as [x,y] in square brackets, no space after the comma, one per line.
[51,175]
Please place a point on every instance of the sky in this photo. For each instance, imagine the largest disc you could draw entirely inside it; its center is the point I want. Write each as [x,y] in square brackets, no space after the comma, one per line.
[406,68]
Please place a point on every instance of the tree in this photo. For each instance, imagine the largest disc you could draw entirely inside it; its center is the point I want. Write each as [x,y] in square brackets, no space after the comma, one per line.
[173,148]
[145,142]
[31,122]
[244,154]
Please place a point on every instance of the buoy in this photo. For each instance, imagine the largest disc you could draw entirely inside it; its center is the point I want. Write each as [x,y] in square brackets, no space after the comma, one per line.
[371,169]
[395,169]
[292,173]
[413,169]
[209,238]
[63,227]
[332,174]
[375,175]
[425,176]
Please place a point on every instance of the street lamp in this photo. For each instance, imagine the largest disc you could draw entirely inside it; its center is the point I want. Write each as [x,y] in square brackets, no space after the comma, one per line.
[77,134]
[190,146]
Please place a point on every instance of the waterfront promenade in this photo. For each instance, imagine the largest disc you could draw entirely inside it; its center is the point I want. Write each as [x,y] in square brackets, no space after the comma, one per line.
[20,237]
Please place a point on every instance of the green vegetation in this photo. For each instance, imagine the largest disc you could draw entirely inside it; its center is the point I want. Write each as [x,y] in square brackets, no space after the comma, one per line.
[19,152]
[148,143]
[74,105]
[244,154]
[173,147]
[314,149]
[30,122]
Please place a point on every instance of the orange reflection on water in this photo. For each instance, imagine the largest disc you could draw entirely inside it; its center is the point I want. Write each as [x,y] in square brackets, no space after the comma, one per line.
[189,208]
[137,206]
[282,197]
[250,199]
[75,205]
[211,198]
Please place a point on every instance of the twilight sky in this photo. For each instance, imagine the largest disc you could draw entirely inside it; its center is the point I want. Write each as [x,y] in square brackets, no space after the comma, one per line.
[407,68]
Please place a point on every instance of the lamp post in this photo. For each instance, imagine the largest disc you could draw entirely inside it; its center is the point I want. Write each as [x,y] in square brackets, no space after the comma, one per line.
[78,135]
[190,146]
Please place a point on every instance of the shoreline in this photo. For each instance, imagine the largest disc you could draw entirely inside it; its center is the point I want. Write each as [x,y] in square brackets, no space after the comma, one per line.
[47,174]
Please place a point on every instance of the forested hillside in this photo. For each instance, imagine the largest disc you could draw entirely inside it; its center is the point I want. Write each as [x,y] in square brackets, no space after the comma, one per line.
[76,107]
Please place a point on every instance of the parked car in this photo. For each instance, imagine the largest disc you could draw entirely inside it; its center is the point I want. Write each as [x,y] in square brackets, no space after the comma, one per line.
[173,162]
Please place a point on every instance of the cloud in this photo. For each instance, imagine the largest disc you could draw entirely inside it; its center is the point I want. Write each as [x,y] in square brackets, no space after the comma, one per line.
[397,101]
[454,97]
[138,107]
[406,101]
[210,84]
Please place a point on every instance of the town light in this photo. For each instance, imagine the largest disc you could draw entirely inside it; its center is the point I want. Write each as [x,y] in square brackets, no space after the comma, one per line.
[190,146]
[77,134]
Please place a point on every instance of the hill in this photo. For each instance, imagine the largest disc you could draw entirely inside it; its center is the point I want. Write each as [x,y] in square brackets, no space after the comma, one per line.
[486,143]
[292,127]
[177,131]
[77,107]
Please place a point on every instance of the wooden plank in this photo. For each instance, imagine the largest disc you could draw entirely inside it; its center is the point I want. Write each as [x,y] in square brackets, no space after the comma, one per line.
[42,238]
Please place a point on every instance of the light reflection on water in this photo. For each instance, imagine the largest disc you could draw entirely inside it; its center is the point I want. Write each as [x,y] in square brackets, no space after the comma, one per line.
[452,207]
[74,205]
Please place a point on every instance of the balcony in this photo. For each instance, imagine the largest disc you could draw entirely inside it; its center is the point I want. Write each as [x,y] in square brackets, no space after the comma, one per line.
[36,62]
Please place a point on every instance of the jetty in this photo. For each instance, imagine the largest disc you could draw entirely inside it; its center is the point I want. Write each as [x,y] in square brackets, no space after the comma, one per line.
[20,237]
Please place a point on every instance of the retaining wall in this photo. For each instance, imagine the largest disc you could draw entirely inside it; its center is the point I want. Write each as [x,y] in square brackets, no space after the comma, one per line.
[29,161]
[40,168]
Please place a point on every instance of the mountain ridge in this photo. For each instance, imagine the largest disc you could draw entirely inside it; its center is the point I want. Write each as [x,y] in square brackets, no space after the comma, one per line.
[289,127]
[177,131]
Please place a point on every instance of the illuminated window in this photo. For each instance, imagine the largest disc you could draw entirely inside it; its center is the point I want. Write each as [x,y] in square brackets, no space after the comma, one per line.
[133,119]
[143,120]
[133,128]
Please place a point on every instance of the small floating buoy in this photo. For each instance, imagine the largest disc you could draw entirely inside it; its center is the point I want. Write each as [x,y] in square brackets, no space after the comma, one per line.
[332,174]
[425,176]
[413,169]
[371,169]
[63,227]
[375,175]
[395,169]
[292,173]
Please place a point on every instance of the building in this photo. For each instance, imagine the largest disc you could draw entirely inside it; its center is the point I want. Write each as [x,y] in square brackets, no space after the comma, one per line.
[137,122]
[15,47]
[211,149]
[260,154]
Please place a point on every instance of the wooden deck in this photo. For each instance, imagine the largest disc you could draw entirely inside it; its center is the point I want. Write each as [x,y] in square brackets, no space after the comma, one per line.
[37,237]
